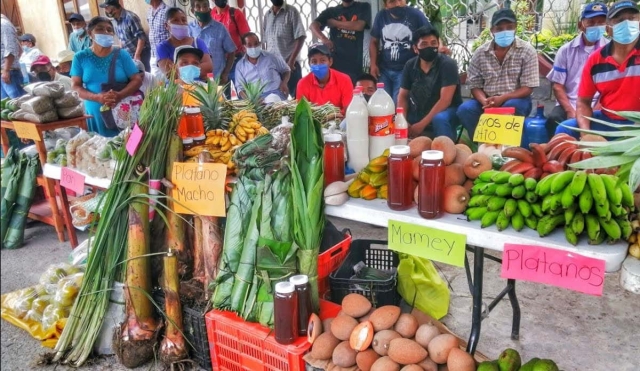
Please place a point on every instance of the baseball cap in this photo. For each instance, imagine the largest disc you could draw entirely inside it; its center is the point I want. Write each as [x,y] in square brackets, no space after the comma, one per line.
[42,60]
[76,17]
[27,37]
[65,56]
[186,49]
[318,48]
[110,3]
[619,6]
[594,10]
[503,15]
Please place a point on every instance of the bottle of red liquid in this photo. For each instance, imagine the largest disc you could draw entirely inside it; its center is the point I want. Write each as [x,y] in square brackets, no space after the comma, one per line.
[333,158]
[305,308]
[431,184]
[400,191]
[194,121]
[285,313]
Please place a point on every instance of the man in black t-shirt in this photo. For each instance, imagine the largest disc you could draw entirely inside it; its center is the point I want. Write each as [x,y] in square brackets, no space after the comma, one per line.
[430,89]
[346,23]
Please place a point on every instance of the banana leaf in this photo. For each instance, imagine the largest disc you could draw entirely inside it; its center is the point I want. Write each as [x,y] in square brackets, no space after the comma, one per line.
[14,236]
[13,156]
[10,194]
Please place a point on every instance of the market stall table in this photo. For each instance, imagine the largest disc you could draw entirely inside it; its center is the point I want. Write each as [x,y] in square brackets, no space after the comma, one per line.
[58,217]
[376,212]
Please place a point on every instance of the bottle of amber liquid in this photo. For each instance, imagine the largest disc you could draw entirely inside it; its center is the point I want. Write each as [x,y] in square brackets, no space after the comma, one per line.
[194,121]
[400,188]
[333,158]
[305,307]
[431,184]
[285,313]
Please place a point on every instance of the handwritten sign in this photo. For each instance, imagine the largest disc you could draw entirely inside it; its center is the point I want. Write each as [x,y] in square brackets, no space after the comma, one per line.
[72,180]
[553,267]
[428,243]
[499,129]
[199,188]
[26,130]
[134,140]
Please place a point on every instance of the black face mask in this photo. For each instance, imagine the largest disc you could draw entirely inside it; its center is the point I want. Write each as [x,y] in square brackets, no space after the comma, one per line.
[398,11]
[277,2]
[68,74]
[44,76]
[367,96]
[221,3]
[428,54]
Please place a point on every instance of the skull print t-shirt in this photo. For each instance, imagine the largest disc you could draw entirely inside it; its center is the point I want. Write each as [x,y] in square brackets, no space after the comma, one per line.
[394,30]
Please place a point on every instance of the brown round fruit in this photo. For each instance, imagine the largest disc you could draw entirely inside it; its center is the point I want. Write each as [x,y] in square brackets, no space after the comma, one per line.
[416,192]
[468,184]
[461,155]
[459,360]
[326,324]
[446,145]
[365,359]
[406,325]
[440,347]
[366,316]
[406,351]
[476,164]
[314,328]
[343,355]
[361,337]
[411,368]
[426,333]
[384,317]
[385,364]
[428,365]
[324,345]
[418,145]
[355,305]
[382,339]
[456,199]
[464,148]
[415,168]
[342,326]
[454,174]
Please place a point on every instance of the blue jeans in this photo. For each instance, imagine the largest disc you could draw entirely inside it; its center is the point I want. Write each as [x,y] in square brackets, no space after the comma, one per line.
[470,111]
[14,88]
[444,123]
[594,125]
[392,81]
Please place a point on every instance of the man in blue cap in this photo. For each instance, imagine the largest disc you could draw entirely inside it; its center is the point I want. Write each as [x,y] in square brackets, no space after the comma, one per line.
[569,61]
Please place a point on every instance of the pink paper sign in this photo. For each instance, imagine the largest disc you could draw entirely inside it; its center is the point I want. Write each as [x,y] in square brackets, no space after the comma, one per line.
[553,267]
[72,180]
[134,140]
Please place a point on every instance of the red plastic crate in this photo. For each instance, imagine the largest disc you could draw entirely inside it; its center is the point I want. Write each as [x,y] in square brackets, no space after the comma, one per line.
[329,261]
[237,345]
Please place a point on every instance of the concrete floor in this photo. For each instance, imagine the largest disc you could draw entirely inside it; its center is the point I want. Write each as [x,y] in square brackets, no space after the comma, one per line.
[580,332]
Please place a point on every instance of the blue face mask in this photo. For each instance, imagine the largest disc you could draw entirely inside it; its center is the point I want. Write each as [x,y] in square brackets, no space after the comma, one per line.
[189,74]
[593,34]
[320,70]
[26,49]
[504,38]
[626,32]
[78,31]
[147,1]
[105,41]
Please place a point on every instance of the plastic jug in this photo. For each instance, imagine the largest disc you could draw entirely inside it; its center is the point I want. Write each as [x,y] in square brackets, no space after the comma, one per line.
[381,130]
[535,130]
[357,118]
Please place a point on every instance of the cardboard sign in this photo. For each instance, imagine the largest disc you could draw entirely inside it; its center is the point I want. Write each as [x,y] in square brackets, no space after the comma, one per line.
[499,129]
[428,243]
[553,267]
[199,188]
[134,140]
[26,130]
[72,180]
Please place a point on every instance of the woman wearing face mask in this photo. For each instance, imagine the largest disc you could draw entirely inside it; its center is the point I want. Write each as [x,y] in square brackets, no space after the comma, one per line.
[90,70]
[324,84]
[29,51]
[178,28]
[430,90]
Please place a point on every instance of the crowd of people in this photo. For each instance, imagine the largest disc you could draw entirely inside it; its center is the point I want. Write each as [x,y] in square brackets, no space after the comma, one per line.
[406,53]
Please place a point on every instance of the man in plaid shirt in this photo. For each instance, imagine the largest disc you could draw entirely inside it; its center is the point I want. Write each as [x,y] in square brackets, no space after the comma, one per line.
[156,18]
[502,73]
[132,36]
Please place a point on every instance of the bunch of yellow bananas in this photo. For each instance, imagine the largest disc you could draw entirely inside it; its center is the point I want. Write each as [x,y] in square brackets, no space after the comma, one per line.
[222,138]
[245,126]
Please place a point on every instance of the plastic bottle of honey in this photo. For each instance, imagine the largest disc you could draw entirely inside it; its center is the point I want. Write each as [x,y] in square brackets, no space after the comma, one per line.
[305,308]
[194,122]
[431,184]
[400,191]
[285,313]
[333,158]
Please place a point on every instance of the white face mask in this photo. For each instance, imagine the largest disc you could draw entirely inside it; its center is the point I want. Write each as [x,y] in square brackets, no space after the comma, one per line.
[254,52]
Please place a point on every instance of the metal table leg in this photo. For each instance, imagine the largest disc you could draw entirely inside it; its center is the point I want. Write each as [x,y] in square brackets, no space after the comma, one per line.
[515,324]
[476,318]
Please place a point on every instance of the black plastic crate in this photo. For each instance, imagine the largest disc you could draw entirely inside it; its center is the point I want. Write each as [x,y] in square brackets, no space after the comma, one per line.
[379,292]
[194,329]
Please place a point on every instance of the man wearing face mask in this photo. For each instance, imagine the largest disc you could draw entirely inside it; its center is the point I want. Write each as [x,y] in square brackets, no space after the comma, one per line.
[29,51]
[569,61]
[65,58]
[44,71]
[284,35]
[501,73]
[187,60]
[324,84]
[368,83]
[79,38]
[156,19]
[612,71]
[430,90]
[259,66]
[133,37]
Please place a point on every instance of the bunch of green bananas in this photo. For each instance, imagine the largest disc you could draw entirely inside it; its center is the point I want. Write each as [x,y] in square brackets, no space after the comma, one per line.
[503,199]
[597,204]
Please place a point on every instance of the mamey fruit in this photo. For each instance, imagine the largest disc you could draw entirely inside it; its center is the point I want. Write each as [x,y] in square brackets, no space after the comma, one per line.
[459,360]
[411,368]
[454,174]
[361,337]
[314,328]
[440,347]
[384,317]
[428,365]
[382,339]
[324,345]
[418,145]
[342,326]
[476,164]
[446,145]
[385,364]
[406,352]
[366,359]
[355,305]
[343,355]
[456,199]
[426,333]
[407,325]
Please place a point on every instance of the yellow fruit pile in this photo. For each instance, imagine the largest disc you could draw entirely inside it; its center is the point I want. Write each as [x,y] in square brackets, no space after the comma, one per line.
[245,126]
[371,181]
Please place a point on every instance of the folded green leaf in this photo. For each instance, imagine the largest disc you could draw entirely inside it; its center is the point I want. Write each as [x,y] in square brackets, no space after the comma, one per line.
[602,162]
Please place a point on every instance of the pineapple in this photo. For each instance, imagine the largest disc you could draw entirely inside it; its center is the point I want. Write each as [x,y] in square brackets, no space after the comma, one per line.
[211,104]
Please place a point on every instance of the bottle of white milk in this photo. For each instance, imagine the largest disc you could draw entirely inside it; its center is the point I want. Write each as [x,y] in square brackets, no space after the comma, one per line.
[357,117]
